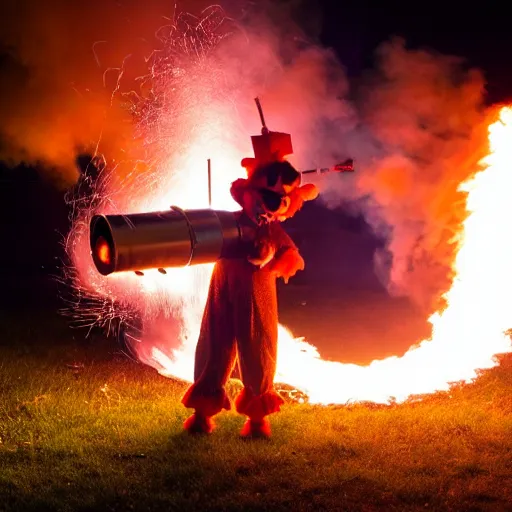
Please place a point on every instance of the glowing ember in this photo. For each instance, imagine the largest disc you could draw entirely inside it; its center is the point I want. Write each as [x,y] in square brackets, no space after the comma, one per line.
[103,250]
[197,118]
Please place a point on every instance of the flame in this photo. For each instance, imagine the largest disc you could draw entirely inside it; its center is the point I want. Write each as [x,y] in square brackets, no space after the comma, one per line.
[466,335]
[103,250]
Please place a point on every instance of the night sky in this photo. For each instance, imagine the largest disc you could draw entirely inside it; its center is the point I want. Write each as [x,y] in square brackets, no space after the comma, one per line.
[479,35]
[33,212]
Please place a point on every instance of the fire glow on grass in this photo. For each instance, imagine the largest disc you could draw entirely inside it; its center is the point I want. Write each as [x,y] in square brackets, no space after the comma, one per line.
[466,334]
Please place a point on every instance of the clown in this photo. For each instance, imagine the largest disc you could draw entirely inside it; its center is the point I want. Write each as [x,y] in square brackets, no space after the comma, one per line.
[240,317]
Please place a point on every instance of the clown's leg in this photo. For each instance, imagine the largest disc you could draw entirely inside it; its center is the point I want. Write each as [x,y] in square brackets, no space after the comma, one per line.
[215,358]
[256,333]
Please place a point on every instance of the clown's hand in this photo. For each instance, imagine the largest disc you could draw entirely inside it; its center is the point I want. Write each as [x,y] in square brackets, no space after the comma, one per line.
[287,264]
[264,252]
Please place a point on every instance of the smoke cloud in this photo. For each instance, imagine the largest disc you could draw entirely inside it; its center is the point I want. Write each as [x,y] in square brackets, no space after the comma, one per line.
[416,128]
[425,131]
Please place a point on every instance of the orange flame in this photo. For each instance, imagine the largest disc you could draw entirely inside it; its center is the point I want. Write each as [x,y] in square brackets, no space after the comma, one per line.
[103,250]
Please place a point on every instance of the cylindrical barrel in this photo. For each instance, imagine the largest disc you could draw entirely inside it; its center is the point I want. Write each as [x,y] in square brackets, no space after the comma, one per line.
[174,238]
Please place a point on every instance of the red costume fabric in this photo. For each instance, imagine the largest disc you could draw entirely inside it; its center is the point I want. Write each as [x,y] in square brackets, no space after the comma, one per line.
[240,317]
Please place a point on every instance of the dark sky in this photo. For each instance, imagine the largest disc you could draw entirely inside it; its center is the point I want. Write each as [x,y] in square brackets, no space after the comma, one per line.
[480,34]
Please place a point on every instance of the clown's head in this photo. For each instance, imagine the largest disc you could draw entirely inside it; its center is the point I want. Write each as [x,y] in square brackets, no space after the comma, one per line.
[272,192]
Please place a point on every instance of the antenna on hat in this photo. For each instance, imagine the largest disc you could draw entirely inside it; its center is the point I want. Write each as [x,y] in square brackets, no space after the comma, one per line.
[264,129]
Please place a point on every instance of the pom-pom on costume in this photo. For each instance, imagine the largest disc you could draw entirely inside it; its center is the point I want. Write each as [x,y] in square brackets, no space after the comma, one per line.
[240,317]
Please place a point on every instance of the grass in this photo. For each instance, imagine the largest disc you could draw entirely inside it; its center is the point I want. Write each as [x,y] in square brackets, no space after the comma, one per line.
[108,436]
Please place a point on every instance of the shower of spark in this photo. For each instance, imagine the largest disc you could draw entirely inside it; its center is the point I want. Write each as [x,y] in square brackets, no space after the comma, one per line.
[194,109]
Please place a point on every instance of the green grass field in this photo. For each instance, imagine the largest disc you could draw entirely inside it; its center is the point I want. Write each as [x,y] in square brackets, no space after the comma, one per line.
[107,436]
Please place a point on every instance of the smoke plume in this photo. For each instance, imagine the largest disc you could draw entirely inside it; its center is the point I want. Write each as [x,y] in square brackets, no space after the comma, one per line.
[425,131]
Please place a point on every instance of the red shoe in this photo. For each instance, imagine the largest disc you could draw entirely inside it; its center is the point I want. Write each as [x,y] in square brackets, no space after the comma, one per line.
[256,429]
[198,424]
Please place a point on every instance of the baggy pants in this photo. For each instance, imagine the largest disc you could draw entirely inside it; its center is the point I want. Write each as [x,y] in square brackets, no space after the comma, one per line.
[240,318]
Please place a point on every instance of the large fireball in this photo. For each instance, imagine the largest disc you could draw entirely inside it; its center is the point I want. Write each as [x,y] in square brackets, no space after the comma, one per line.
[196,111]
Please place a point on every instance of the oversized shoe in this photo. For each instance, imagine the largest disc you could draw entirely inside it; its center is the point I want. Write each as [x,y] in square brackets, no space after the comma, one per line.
[256,429]
[198,424]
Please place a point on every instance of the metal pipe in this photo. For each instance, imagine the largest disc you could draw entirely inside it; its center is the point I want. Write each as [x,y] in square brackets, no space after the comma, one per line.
[264,129]
[209,182]
[345,166]
[174,238]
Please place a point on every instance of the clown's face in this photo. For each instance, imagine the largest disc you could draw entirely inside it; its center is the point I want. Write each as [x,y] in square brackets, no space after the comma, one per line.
[267,198]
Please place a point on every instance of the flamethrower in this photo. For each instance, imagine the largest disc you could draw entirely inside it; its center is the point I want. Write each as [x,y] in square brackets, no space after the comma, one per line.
[174,238]
[179,238]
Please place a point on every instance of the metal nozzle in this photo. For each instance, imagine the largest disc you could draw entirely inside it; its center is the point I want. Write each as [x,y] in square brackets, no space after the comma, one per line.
[174,238]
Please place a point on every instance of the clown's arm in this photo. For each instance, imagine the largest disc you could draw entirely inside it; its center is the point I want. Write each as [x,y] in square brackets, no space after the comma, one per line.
[287,260]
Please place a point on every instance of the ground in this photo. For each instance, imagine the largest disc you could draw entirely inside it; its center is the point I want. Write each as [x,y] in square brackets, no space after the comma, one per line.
[84,428]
